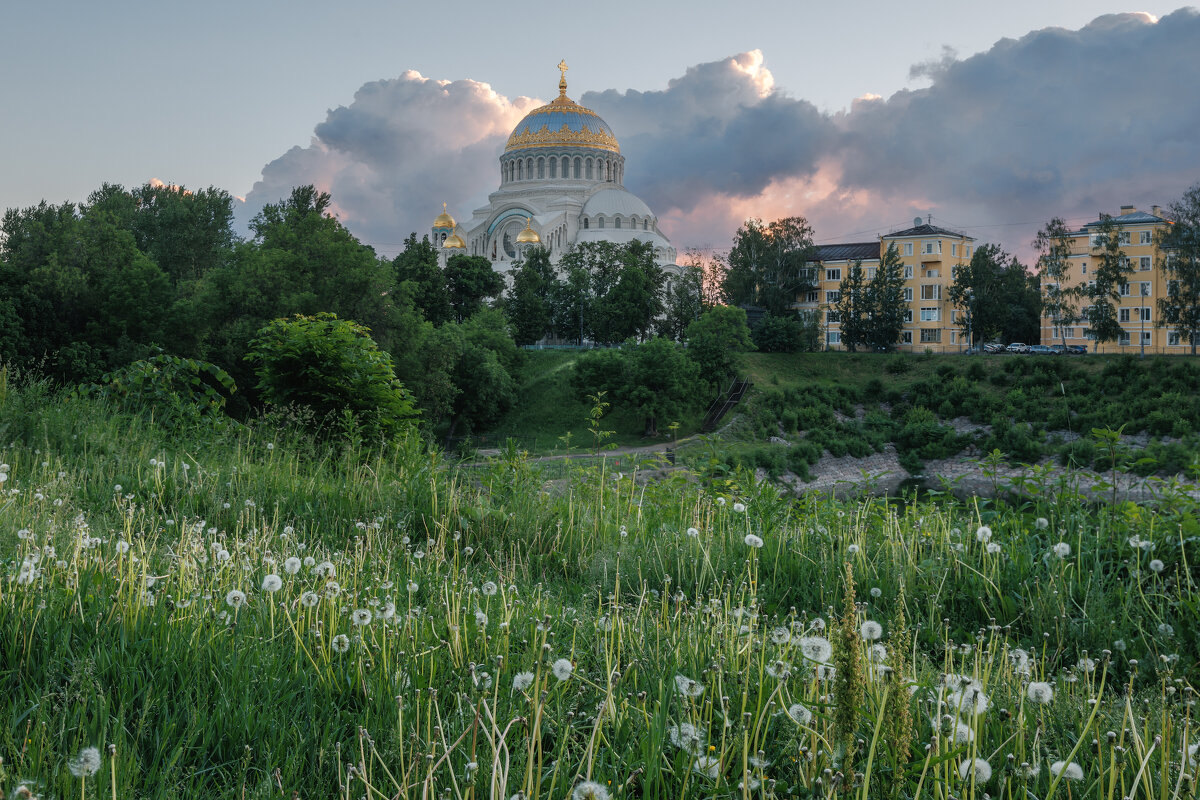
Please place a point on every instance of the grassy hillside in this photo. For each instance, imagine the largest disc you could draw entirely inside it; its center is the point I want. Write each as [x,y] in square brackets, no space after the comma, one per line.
[243,612]
[1026,407]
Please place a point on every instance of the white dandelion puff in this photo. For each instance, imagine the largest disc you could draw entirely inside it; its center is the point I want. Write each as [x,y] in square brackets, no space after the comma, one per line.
[291,566]
[739,507]
[309,599]
[977,768]
[361,617]
[489,589]
[236,598]
[693,532]
[86,764]
[1086,664]
[340,643]
[413,586]
[522,681]
[992,548]
[871,630]
[272,583]
[1040,692]
[780,636]
[481,619]
[1069,771]
[799,714]
[1062,549]
[853,549]
[1156,565]
[562,668]
[963,734]
[686,737]
[816,648]
[589,790]
[707,765]
[688,687]
[1041,523]
[753,541]
[983,534]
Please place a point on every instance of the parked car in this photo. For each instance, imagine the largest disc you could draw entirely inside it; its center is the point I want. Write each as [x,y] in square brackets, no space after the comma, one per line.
[1058,349]
[973,350]
[993,347]
[1018,347]
[1042,350]
[1077,349]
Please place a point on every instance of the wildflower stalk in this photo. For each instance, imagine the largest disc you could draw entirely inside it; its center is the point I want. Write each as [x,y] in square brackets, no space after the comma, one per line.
[848,681]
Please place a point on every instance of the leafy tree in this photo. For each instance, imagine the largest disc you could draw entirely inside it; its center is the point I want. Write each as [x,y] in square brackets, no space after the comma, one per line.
[997,297]
[778,334]
[715,341]
[597,371]
[853,308]
[417,263]
[684,302]
[1179,246]
[529,303]
[469,281]
[610,291]
[1111,272]
[176,391]
[660,381]
[333,367]
[768,265]
[1053,243]
[885,299]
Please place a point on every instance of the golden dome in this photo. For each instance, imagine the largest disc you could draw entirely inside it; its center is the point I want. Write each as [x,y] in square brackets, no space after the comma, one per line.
[562,122]
[444,220]
[454,242]
[529,235]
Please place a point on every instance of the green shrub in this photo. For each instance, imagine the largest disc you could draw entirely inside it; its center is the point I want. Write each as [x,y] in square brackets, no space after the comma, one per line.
[175,391]
[333,367]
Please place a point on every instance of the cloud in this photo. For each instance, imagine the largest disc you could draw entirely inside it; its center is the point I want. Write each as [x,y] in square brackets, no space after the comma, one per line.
[1056,123]
[397,152]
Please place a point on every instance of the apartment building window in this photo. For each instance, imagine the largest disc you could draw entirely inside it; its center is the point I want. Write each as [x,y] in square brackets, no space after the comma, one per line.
[1123,237]
[931,291]
[1123,340]
[1124,314]
[908,315]
[1144,263]
[833,337]
[1125,263]
[1063,333]
[871,272]
[927,249]
[954,250]
[833,317]
[933,273]
[1146,337]
[1144,237]
[1145,314]
[833,297]
[931,314]
[906,337]
[1144,289]
[813,297]
[834,274]
[1174,339]
[1084,267]
[953,338]
[967,251]
[1124,290]
[808,274]
[908,271]
[908,294]
[908,249]
[929,335]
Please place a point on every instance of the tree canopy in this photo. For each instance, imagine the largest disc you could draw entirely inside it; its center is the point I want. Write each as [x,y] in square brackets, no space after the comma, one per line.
[769,264]
[1179,246]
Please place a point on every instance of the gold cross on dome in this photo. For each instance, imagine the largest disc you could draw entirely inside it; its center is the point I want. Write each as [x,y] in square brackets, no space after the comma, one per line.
[562,67]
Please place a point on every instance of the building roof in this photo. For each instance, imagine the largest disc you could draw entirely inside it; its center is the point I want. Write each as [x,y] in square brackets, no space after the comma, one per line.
[1132,218]
[851,251]
[927,230]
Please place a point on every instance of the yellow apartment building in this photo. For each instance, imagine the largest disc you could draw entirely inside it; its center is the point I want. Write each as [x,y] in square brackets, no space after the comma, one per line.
[929,254]
[1138,309]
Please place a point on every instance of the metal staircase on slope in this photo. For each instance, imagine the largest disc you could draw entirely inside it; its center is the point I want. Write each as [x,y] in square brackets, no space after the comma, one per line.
[724,402]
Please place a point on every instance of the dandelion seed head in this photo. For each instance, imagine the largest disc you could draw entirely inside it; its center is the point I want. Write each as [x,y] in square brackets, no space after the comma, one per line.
[816,648]
[871,630]
[1062,549]
[853,549]
[236,598]
[799,714]
[340,643]
[753,541]
[272,583]
[86,764]
[983,534]
[361,617]
[876,592]
[309,599]
[589,790]
[739,507]
[686,737]
[489,589]
[291,565]
[1156,565]
[562,669]
[688,687]
[977,768]
[522,681]
[1069,771]
[1040,692]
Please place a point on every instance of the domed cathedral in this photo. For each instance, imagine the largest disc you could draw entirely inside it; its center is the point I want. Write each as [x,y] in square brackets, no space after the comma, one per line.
[561,183]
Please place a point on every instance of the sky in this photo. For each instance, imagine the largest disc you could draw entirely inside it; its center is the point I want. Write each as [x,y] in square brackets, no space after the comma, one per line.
[858,116]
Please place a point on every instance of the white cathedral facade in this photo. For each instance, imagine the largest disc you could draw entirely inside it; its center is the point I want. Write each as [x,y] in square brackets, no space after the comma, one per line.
[561,184]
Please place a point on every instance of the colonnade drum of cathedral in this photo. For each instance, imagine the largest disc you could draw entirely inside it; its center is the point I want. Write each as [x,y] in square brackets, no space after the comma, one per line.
[561,184]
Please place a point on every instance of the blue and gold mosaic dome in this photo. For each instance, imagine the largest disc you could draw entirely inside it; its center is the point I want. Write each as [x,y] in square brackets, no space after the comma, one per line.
[562,122]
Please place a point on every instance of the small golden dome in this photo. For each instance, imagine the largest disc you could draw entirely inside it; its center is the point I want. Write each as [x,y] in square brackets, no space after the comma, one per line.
[454,242]
[443,220]
[529,235]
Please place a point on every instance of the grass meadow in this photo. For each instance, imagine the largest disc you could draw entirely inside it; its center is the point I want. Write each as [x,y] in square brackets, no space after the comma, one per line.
[239,611]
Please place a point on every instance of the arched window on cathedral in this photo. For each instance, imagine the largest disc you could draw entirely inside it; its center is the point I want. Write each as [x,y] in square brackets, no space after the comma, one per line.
[600,221]
[541,167]
[588,167]
[585,223]
[617,223]
[553,167]
[645,224]
[578,166]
